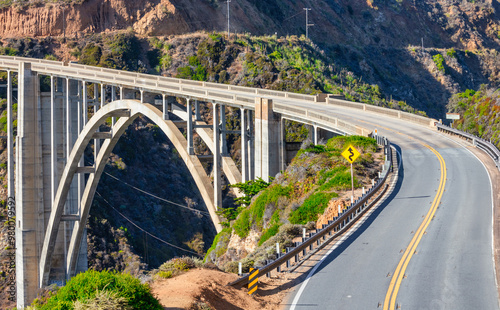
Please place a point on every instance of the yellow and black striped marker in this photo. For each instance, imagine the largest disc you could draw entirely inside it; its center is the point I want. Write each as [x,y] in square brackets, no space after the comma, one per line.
[253,281]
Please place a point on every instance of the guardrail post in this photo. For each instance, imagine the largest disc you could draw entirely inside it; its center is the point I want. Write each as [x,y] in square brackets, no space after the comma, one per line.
[311,245]
[287,261]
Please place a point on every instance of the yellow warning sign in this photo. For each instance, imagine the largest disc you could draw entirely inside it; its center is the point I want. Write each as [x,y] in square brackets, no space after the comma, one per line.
[351,154]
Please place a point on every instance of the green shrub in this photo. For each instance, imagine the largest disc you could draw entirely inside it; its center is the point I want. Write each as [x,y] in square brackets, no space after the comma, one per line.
[311,208]
[185,72]
[222,237]
[164,274]
[274,226]
[85,286]
[341,181]
[451,52]
[103,300]
[359,142]
[250,189]
[439,61]
[254,214]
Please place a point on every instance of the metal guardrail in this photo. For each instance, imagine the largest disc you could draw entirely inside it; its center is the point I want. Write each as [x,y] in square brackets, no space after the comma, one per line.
[484,145]
[339,225]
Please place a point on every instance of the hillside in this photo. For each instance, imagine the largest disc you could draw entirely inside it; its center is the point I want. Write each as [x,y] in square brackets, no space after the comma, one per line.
[480,113]
[312,190]
[389,43]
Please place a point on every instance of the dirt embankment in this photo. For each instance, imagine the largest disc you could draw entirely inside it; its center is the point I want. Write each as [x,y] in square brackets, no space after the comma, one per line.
[200,288]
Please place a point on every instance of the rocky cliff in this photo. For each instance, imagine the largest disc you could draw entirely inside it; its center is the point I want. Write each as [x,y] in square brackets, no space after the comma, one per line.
[389,43]
[381,23]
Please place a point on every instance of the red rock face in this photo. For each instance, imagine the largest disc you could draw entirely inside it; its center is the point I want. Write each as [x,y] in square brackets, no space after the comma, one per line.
[394,24]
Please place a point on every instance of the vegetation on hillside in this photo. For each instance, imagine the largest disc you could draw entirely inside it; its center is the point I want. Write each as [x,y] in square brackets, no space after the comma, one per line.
[297,196]
[480,113]
[288,64]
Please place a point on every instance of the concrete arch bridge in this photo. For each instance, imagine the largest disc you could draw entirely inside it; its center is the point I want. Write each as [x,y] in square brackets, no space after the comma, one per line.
[51,192]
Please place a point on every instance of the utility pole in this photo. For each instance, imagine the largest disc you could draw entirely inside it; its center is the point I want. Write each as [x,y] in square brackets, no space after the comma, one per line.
[228,33]
[307,22]
[64,23]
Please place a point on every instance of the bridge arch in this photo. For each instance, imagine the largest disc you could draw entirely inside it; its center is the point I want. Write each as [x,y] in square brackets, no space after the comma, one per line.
[128,111]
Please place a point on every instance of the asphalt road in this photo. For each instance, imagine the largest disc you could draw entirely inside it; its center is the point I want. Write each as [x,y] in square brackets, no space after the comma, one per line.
[452,266]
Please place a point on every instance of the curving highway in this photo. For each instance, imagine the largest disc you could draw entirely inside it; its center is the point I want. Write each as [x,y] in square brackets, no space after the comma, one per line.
[427,247]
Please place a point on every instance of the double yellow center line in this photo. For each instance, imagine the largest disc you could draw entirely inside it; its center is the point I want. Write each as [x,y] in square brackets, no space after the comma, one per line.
[392,292]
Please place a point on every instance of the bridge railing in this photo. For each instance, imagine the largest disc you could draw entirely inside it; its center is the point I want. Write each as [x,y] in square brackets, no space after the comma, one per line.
[338,225]
[308,116]
[484,145]
[56,67]
[417,119]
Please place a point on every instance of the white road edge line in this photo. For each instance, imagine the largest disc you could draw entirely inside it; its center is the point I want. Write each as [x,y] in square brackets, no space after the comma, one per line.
[462,144]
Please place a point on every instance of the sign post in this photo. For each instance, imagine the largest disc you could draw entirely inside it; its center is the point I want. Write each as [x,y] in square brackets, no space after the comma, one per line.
[351,154]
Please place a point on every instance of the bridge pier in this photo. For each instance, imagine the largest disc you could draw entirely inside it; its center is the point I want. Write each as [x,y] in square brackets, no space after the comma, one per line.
[267,139]
[29,193]
[189,136]
[217,162]
[10,139]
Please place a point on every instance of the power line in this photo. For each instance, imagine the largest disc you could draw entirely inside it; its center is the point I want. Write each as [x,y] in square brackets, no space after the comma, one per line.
[292,16]
[159,198]
[143,230]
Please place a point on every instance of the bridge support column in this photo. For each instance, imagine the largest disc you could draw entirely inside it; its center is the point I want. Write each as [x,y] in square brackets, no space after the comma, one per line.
[282,141]
[251,145]
[247,154]
[165,110]
[223,133]
[53,131]
[244,146]
[29,191]
[189,136]
[217,163]
[315,134]
[74,121]
[113,98]
[10,139]
[267,136]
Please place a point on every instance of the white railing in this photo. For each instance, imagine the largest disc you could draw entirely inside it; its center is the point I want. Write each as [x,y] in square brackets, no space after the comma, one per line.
[484,145]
